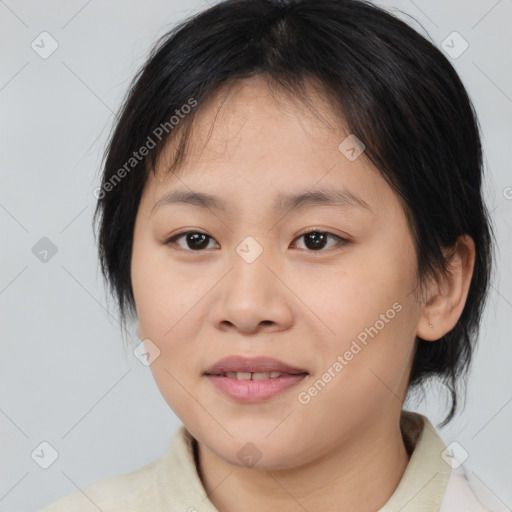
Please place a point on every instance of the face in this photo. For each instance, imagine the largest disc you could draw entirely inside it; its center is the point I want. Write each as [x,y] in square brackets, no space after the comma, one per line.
[324,287]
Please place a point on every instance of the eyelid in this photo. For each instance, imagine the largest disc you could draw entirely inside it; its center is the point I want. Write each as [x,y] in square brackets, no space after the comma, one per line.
[172,239]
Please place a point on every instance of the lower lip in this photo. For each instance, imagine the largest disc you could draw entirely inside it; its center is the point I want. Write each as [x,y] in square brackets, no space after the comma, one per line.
[254,390]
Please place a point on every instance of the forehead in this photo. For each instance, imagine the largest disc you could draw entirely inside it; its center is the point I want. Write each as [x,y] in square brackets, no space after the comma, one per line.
[243,112]
[248,140]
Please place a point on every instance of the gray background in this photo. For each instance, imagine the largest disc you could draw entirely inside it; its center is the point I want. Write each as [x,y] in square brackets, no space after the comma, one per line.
[65,376]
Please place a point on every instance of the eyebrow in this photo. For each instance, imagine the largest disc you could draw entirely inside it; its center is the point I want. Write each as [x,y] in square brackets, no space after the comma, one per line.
[283,203]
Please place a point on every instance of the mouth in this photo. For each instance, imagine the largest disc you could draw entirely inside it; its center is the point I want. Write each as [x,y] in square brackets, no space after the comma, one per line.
[253,379]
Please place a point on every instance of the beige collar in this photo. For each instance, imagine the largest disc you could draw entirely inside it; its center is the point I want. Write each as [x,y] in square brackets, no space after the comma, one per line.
[424,482]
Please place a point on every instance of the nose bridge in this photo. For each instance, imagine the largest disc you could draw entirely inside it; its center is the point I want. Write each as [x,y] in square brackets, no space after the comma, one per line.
[251,293]
[250,262]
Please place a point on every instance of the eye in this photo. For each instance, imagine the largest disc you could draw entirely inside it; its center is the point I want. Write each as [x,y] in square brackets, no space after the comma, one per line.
[197,241]
[317,240]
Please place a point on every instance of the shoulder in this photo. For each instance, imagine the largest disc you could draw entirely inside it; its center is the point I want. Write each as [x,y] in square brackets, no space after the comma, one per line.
[128,492]
[167,482]
[465,494]
[450,488]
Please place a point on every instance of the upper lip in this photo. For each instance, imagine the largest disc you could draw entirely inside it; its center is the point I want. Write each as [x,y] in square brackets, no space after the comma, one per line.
[252,365]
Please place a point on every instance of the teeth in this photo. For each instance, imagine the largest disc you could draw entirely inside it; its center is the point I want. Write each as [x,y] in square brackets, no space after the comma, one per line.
[261,376]
[253,376]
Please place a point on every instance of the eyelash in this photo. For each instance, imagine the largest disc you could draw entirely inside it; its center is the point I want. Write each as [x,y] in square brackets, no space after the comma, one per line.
[341,241]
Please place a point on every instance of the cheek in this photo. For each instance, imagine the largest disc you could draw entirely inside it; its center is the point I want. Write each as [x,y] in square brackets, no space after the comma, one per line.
[363,293]
[171,323]
[366,364]
[370,318]
[162,292]
[167,301]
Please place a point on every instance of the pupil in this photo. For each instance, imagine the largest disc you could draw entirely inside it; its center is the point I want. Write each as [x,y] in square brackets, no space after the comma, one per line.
[196,239]
[317,238]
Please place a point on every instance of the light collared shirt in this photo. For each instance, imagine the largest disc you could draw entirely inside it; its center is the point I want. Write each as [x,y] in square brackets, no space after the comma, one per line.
[172,483]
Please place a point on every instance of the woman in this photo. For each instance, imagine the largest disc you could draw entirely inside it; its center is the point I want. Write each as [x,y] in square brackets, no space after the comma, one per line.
[291,209]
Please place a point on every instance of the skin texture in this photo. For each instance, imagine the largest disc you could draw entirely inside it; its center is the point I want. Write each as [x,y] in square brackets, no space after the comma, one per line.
[342,450]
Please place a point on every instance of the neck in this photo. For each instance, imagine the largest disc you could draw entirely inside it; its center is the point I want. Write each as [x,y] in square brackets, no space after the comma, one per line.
[358,475]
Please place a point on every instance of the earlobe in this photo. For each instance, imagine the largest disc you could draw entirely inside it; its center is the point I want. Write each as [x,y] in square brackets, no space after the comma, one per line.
[448,293]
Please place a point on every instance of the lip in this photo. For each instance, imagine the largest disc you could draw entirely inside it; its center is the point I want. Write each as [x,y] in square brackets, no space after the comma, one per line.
[253,365]
[250,391]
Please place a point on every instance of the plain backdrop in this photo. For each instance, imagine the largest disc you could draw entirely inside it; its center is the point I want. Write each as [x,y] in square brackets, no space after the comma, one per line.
[66,378]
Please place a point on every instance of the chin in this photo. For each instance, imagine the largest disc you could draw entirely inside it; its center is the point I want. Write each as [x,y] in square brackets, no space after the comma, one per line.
[256,449]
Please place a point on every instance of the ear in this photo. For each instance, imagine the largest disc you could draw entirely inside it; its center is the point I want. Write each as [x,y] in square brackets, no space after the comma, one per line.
[446,296]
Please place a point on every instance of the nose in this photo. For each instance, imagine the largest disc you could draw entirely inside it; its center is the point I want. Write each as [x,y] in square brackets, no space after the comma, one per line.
[253,296]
